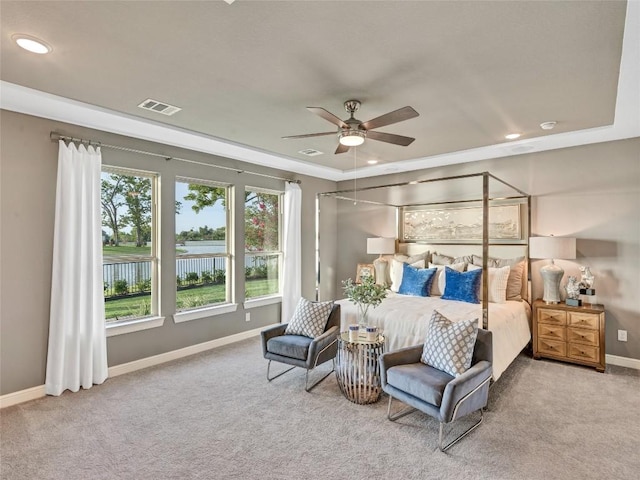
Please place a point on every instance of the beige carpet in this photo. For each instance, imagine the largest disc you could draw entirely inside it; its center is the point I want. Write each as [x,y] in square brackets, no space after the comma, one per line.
[214,416]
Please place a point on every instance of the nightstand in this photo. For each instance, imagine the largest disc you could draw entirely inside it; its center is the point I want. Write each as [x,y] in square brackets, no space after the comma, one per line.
[569,334]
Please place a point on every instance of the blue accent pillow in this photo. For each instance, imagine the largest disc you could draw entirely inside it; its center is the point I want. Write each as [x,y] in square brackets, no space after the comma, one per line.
[462,286]
[416,281]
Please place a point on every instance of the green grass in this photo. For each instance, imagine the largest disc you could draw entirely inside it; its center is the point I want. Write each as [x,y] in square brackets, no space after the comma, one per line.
[190,298]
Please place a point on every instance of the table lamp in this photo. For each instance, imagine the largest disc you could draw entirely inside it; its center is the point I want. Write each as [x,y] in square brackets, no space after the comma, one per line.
[552,248]
[381,246]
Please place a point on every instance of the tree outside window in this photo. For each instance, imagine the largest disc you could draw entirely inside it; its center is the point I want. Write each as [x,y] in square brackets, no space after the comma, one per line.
[263,255]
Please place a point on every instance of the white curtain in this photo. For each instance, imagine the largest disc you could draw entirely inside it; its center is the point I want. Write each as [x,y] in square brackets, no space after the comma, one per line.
[77,355]
[291,265]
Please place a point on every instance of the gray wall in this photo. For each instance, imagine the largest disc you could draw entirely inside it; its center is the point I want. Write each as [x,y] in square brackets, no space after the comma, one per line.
[589,192]
[27,202]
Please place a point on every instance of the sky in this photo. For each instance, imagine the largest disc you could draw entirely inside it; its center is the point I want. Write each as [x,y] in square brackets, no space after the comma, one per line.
[213,217]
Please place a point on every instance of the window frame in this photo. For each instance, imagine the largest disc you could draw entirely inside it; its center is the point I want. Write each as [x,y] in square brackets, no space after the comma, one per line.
[228,305]
[261,300]
[154,319]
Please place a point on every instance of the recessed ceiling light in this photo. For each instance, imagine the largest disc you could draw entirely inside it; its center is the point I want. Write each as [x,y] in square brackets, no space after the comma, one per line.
[372,162]
[512,136]
[547,125]
[32,44]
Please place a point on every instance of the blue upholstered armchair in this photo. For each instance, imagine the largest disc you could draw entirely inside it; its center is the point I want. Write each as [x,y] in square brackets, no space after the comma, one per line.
[436,393]
[301,351]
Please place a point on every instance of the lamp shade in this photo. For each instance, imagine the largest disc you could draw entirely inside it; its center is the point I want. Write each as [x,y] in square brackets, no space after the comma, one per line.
[552,247]
[381,245]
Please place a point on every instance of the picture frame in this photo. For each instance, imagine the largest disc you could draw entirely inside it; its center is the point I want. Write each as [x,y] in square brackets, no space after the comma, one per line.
[460,224]
[364,270]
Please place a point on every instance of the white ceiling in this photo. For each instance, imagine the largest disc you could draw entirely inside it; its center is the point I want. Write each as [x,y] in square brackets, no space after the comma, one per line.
[244,73]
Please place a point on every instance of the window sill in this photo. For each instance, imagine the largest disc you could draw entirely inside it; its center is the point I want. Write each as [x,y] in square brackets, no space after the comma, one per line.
[189,315]
[129,326]
[262,301]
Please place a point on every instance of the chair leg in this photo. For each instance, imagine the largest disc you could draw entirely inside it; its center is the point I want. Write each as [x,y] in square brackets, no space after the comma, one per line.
[281,373]
[460,437]
[307,387]
[399,414]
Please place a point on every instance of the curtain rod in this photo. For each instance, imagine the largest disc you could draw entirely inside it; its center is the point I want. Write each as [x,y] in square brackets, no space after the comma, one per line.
[56,136]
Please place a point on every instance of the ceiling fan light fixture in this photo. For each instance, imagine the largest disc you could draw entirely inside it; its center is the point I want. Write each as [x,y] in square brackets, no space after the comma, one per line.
[352,138]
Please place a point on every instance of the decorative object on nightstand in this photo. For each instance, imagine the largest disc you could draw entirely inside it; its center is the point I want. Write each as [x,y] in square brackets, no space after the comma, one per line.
[552,248]
[586,285]
[381,246]
[364,294]
[569,334]
[573,292]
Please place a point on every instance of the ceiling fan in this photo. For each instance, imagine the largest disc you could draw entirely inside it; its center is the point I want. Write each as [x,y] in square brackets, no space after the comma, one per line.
[353,131]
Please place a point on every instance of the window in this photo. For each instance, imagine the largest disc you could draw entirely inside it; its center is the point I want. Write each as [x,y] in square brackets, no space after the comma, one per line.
[129,265]
[263,255]
[202,244]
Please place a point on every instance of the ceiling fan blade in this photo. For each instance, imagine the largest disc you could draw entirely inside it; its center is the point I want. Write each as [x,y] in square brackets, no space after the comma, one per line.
[341,149]
[321,112]
[306,135]
[400,115]
[390,138]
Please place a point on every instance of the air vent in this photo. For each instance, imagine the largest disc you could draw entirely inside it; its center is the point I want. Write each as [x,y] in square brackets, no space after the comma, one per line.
[159,107]
[310,152]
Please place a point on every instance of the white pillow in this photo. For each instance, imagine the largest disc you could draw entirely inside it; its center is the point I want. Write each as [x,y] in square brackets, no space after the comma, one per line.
[517,284]
[497,287]
[439,281]
[396,272]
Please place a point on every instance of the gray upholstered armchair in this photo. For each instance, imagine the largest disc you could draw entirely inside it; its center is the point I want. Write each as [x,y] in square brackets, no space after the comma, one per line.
[437,393]
[301,351]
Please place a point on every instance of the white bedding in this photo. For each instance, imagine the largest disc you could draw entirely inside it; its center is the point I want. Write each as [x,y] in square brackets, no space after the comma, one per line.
[404,319]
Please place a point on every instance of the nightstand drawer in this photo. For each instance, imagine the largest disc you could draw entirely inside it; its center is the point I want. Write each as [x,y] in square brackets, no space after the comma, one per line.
[584,352]
[552,317]
[583,336]
[553,332]
[552,347]
[584,320]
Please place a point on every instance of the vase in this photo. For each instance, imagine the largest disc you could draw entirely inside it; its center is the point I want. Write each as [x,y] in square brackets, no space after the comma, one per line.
[363,311]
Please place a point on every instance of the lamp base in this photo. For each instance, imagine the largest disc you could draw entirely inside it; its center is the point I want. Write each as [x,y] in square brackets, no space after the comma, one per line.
[551,276]
[381,266]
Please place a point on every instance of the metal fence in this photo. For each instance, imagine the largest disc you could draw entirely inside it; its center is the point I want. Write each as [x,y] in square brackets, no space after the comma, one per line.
[133,278]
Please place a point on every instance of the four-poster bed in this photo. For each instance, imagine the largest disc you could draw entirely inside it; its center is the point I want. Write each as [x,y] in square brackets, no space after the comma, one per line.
[480,237]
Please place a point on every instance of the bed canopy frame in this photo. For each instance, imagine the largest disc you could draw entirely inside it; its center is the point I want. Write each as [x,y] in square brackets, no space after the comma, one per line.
[469,190]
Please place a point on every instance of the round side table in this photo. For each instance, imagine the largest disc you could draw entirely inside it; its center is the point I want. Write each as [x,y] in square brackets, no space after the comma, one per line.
[357,368]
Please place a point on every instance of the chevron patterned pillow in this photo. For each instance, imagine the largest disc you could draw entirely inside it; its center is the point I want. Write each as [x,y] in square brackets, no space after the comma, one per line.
[449,345]
[309,319]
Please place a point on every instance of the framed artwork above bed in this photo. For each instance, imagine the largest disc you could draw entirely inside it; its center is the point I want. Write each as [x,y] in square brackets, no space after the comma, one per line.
[460,224]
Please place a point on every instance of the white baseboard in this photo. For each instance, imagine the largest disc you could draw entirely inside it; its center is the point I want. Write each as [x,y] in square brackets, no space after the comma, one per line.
[183,352]
[33,393]
[622,361]
[20,396]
